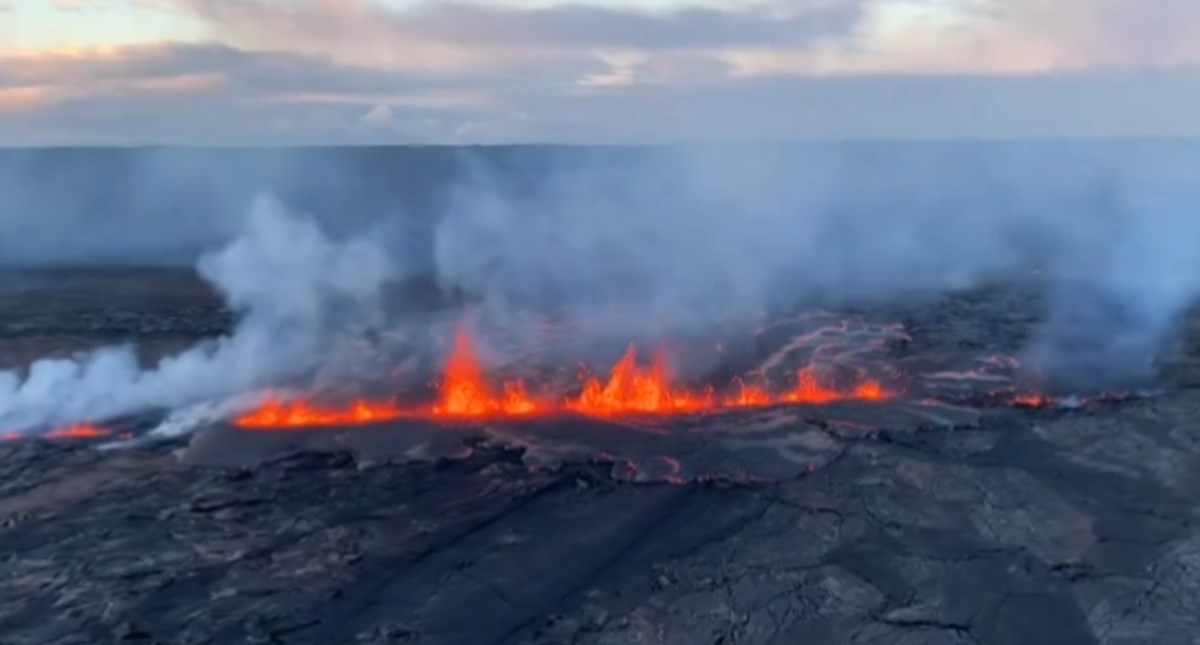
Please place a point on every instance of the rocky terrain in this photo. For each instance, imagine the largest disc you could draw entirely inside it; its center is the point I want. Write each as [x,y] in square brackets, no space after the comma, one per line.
[990,524]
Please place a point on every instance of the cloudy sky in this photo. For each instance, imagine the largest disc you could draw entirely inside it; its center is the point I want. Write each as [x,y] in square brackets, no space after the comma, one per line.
[617,71]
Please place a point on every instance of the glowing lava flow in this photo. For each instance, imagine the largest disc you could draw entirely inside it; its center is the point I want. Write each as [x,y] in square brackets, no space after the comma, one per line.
[629,389]
[1030,400]
[299,414]
[76,431]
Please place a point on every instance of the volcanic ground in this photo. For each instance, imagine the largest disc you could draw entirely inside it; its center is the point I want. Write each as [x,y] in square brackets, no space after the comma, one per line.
[962,508]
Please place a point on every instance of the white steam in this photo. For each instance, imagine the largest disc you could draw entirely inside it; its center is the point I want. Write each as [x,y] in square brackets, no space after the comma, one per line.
[1120,289]
[296,291]
[648,245]
[651,245]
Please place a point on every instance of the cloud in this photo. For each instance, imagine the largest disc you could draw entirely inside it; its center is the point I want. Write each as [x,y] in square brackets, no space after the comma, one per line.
[1104,32]
[796,36]
[564,26]
[307,71]
[221,95]
[256,71]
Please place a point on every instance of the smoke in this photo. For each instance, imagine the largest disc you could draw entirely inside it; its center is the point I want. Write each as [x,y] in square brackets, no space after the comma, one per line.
[299,295]
[675,241]
[628,245]
[1121,289]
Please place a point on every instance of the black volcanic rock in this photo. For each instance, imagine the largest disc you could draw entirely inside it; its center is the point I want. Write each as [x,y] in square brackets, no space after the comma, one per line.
[996,526]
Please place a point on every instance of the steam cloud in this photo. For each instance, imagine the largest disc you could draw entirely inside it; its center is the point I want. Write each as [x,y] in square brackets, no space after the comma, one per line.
[683,239]
[298,293]
[646,244]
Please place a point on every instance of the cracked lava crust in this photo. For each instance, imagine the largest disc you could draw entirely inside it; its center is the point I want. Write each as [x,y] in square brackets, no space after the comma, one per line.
[958,508]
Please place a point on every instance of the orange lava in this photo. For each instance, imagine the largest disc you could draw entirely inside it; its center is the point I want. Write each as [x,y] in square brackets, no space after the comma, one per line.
[298,414]
[1030,400]
[466,393]
[810,391]
[749,396]
[630,388]
[78,431]
[634,389]
[870,390]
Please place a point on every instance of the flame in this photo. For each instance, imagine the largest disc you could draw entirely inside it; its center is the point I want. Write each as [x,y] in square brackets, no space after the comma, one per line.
[465,392]
[293,414]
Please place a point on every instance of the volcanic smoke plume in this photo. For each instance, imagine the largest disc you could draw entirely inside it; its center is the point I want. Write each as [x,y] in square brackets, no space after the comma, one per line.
[651,248]
[299,295]
[679,243]
[632,388]
[313,329]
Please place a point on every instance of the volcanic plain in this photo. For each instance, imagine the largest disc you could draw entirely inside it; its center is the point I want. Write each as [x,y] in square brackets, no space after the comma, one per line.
[964,507]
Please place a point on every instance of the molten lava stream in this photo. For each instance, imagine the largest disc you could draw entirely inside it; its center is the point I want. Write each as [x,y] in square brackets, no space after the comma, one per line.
[301,414]
[78,431]
[629,389]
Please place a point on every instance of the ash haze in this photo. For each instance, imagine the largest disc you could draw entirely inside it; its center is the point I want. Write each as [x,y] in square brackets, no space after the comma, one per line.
[1087,172]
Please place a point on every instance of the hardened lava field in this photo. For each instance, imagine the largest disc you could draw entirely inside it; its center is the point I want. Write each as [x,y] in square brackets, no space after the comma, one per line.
[957,506]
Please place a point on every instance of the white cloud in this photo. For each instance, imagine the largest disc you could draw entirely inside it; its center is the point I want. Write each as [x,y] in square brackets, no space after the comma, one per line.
[363,70]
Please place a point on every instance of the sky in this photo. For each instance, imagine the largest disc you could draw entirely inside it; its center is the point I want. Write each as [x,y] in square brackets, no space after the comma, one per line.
[231,72]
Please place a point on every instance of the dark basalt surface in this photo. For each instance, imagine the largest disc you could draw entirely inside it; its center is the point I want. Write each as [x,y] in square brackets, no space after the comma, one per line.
[1011,526]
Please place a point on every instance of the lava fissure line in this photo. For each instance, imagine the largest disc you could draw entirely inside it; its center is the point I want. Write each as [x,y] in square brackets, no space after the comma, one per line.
[631,389]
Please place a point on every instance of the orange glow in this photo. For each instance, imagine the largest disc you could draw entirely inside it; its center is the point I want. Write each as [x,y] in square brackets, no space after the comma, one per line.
[78,431]
[17,99]
[629,389]
[749,396]
[1030,400]
[295,414]
[810,391]
[634,389]
[871,390]
[465,392]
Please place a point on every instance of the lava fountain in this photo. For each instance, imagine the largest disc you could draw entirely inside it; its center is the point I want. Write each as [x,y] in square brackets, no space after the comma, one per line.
[630,389]
[466,393]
